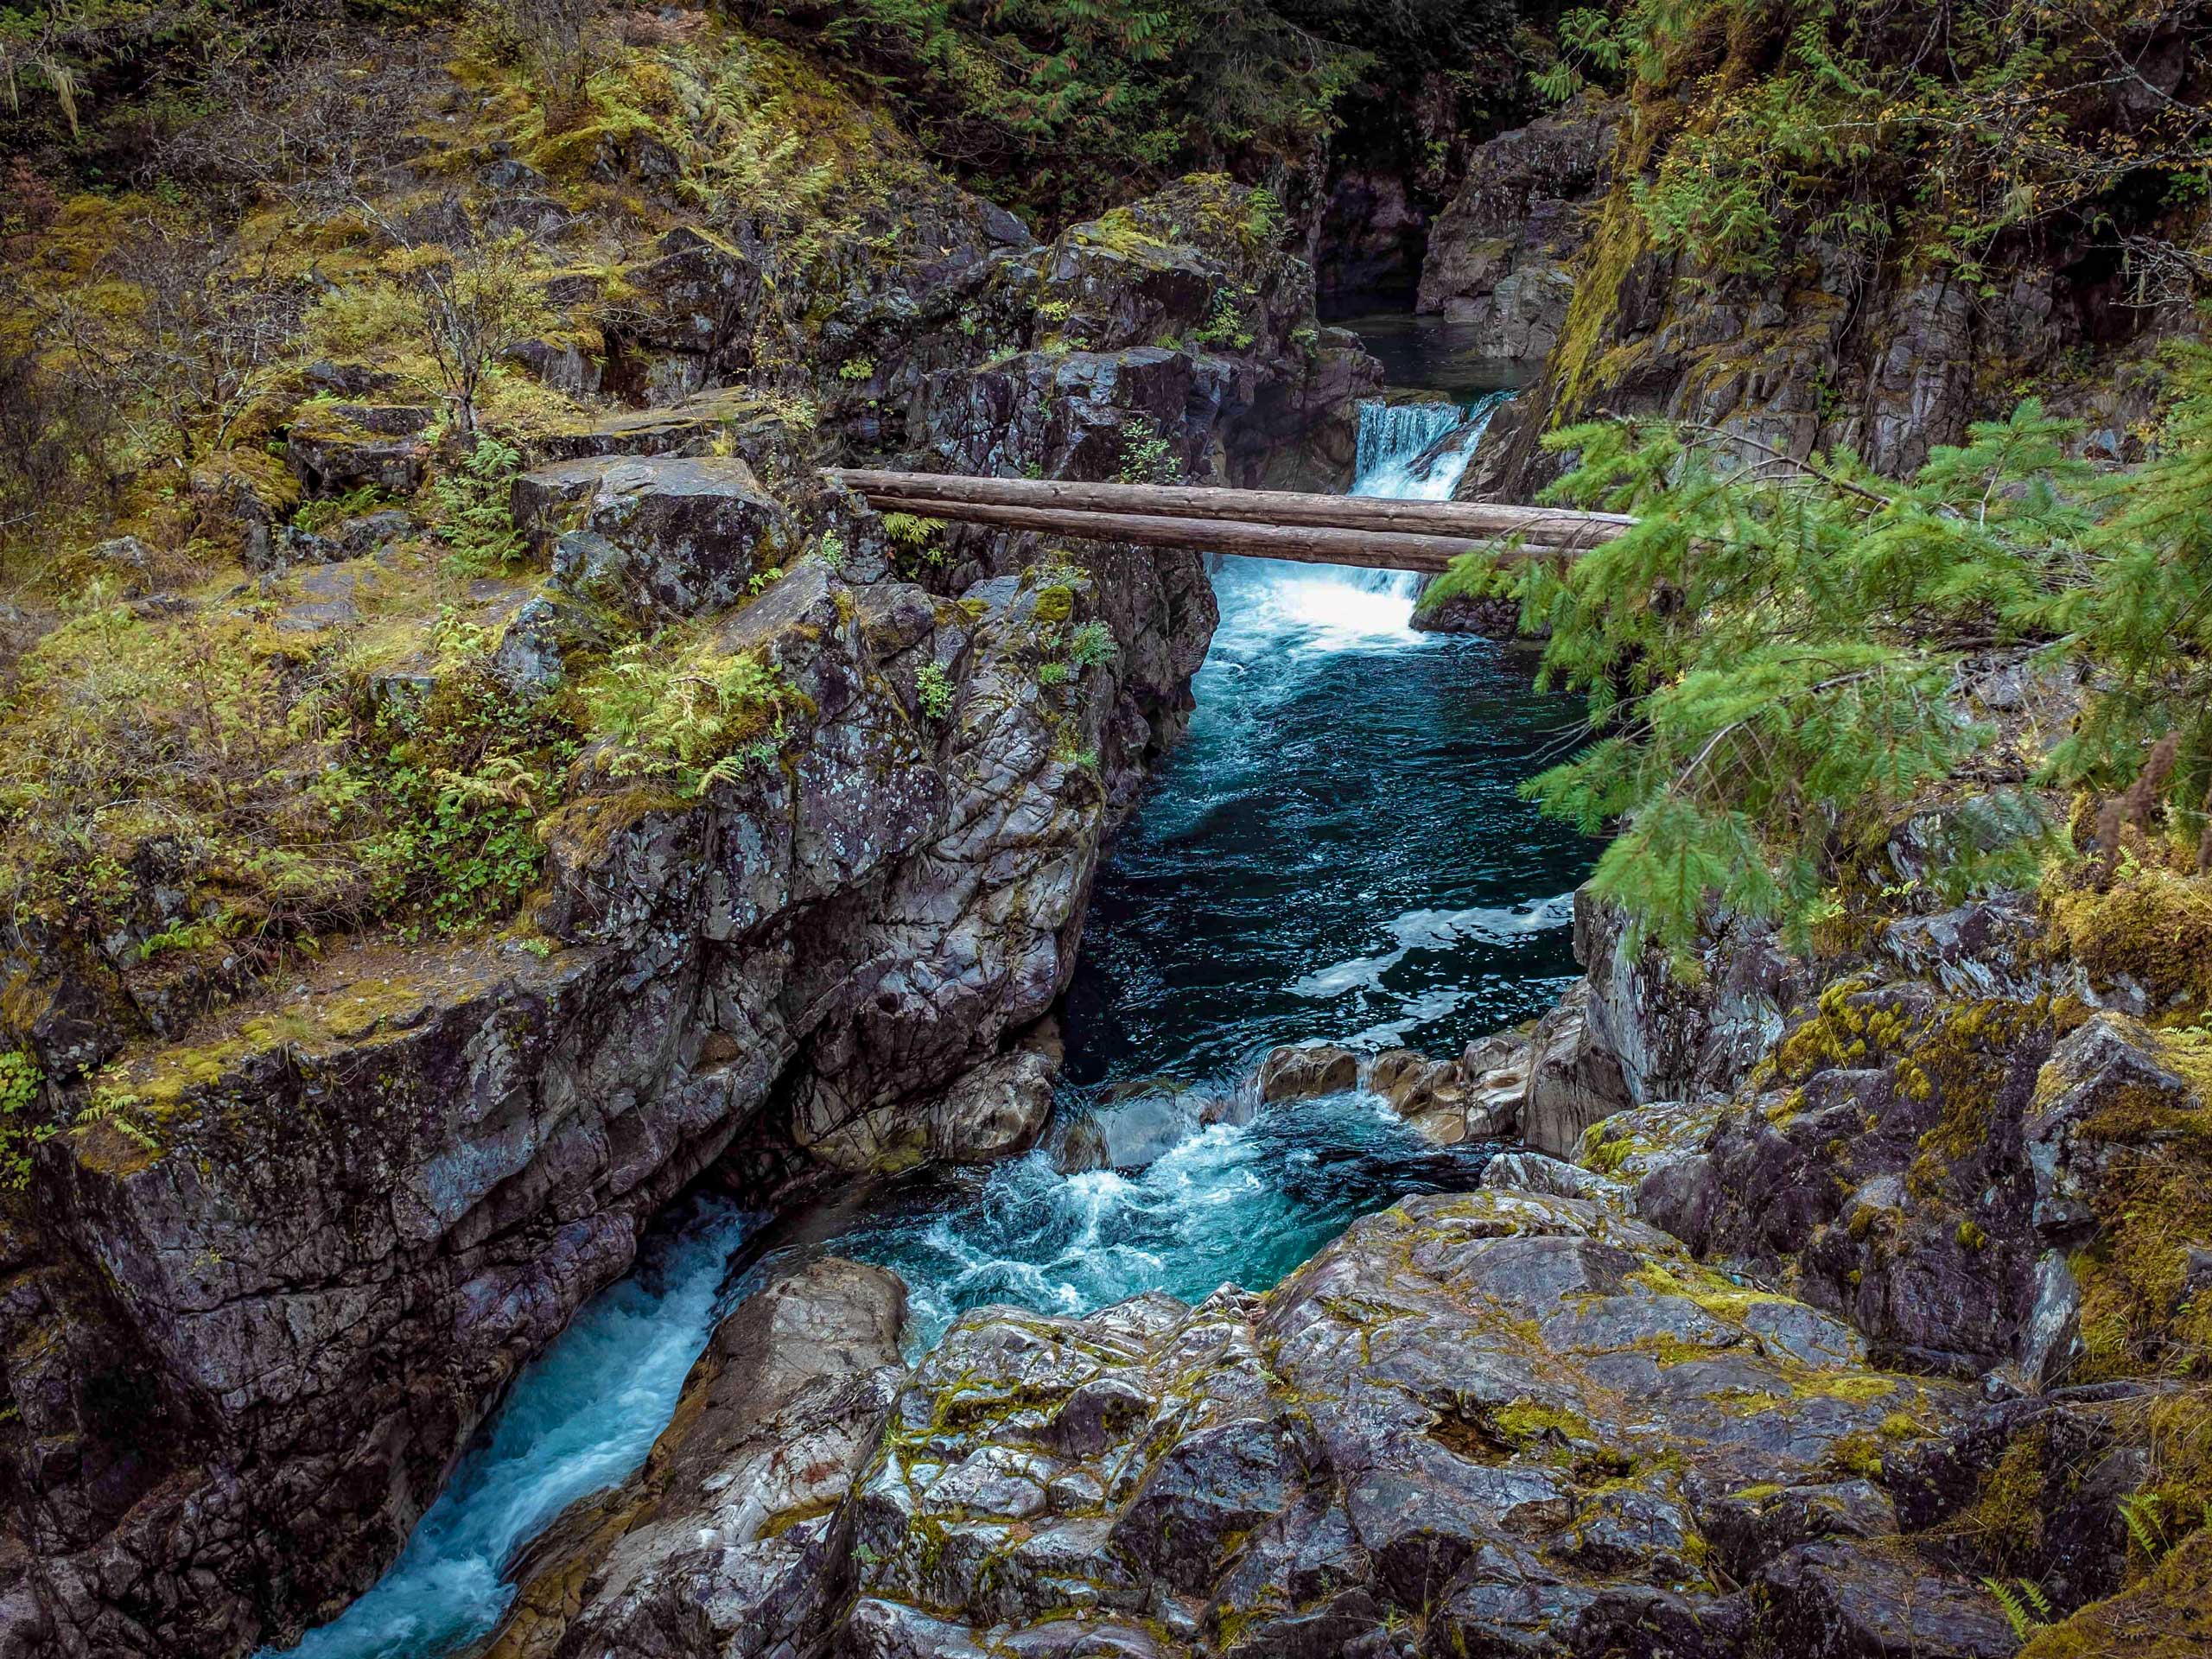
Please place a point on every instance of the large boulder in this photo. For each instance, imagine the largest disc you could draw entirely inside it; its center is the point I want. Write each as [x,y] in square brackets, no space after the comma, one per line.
[658,537]
[1500,1422]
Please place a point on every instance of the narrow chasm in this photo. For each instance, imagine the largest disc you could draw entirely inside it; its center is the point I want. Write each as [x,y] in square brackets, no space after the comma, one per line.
[1105,830]
[1335,846]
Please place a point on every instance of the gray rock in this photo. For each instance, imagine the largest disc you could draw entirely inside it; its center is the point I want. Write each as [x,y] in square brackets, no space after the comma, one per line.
[1864,1601]
[1500,255]
[2107,1060]
[1574,1079]
[1513,1416]
[334,448]
[997,1109]
[663,536]
[1308,1071]
[725,1543]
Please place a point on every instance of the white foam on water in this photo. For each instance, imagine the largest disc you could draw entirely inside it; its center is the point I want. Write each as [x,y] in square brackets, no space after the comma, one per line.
[1438,930]
[578,1420]
[1408,452]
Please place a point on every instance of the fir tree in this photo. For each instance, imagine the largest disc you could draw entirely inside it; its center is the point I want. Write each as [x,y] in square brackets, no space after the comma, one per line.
[1771,655]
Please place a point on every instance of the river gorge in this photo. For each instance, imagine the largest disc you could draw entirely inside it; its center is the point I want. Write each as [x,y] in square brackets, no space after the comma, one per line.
[696,963]
[1248,904]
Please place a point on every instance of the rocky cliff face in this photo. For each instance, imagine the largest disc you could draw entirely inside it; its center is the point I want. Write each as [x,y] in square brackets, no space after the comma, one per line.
[1546,258]
[265,1292]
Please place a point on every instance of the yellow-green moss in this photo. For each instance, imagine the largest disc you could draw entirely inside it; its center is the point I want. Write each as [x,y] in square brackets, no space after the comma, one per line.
[2003,1527]
[2153,926]
[2168,1616]
[2153,1201]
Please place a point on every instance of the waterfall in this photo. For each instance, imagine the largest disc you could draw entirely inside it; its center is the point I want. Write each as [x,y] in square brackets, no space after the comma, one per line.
[1408,452]
[1419,452]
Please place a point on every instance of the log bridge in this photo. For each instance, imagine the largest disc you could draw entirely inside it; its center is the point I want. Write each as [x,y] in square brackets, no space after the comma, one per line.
[1377,532]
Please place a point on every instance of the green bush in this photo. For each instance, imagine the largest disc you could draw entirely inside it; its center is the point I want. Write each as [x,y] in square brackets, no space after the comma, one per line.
[21,1086]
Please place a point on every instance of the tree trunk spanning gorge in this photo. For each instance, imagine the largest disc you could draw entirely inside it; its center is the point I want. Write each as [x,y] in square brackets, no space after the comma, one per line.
[1543,526]
[1416,531]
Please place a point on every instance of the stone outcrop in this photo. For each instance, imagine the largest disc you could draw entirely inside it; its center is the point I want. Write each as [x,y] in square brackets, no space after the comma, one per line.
[1500,1422]
[658,537]
[730,1540]
[1501,257]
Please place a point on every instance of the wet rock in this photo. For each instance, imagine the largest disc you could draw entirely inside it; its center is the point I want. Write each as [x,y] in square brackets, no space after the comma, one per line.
[659,536]
[1430,1095]
[997,1109]
[1487,616]
[1860,1601]
[2051,1336]
[340,446]
[696,299]
[1532,1172]
[1682,1039]
[1501,255]
[1574,1077]
[2105,1063]
[1306,1070]
[1515,1416]
[728,1540]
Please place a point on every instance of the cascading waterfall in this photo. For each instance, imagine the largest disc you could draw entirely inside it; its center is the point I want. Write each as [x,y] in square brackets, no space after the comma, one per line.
[1416,452]
[1337,850]
[1408,452]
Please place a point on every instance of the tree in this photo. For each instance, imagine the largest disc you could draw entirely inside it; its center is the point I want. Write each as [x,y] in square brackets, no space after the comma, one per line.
[1771,655]
[468,304]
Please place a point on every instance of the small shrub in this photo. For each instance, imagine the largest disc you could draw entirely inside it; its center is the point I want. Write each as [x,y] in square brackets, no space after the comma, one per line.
[1147,457]
[316,517]
[935,688]
[1091,645]
[22,1084]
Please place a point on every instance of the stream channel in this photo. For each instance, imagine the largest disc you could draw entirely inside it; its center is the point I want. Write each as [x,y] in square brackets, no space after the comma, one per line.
[1337,851]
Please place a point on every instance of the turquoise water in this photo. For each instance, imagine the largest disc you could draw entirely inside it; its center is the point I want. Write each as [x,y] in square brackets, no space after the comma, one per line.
[578,1420]
[1336,852]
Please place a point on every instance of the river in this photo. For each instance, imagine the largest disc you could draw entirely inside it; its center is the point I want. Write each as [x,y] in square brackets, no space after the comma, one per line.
[1337,851]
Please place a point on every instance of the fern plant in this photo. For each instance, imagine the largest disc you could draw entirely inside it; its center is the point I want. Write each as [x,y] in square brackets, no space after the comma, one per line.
[473,518]
[699,720]
[2025,1607]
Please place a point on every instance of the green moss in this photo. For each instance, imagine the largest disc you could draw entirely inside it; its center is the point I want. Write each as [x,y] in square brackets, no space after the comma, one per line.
[1620,236]
[2002,1528]
[2153,927]
[1525,1421]
[1716,1295]
[1858,1454]
[2168,1616]
[2153,1202]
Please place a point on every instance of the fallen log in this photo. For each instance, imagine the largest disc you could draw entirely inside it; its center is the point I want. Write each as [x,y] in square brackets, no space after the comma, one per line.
[1482,521]
[1303,544]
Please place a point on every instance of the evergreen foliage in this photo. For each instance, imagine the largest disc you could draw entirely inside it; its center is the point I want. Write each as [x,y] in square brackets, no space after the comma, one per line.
[1771,654]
